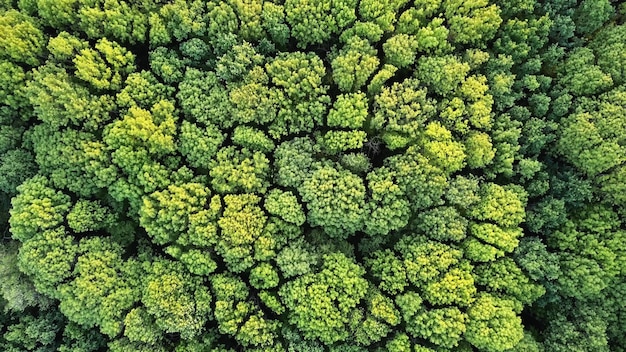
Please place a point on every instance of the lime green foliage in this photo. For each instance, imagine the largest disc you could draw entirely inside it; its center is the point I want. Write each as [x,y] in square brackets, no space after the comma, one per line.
[302,96]
[188,313]
[313,22]
[89,216]
[400,343]
[103,284]
[335,201]
[383,13]
[379,79]
[493,324]
[253,139]
[400,50]
[65,46]
[401,111]
[230,307]
[479,150]
[349,111]
[320,303]
[442,74]
[441,149]
[21,40]
[140,327]
[199,145]
[263,276]
[387,205]
[12,90]
[241,223]
[591,140]
[106,67]
[142,90]
[166,214]
[334,142]
[354,64]
[503,206]
[432,38]
[58,101]
[443,327]
[589,267]
[132,144]
[239,170]
[472,22]
[197,261]
[285,205]
[37,208]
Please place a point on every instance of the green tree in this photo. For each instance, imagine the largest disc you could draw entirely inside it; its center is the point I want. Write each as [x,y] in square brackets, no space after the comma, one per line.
[442,74]
[48,258]
[143,90]
[199,145]
[187,314]
[335,200]
[474,22]
[293,161]
[354,64]
[302,95]
[242,223]
[284,205]
[166,214]
[387,208]
[203,99]
[21,40]
[103,289]
[59,101]
[73,160]
[401,111]
[315,22]
[400,50]
[105,68]
[239,170]
[177,21]
[320,303]
[37,208]
[493,324]
[382,13]
[349,111]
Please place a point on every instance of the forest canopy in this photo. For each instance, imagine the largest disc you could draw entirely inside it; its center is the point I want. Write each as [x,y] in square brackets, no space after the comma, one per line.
[313,175]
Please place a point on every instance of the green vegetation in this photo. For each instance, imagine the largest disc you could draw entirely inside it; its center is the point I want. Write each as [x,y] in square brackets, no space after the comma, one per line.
[312,175]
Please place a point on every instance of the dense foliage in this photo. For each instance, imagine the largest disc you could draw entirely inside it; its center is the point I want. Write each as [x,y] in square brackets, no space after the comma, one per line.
[313,175]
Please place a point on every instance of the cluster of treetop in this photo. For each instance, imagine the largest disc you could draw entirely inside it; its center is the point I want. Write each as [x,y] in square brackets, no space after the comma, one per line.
[313,175]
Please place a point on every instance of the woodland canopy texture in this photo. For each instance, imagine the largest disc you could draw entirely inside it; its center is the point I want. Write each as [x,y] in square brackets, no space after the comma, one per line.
[313,175]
